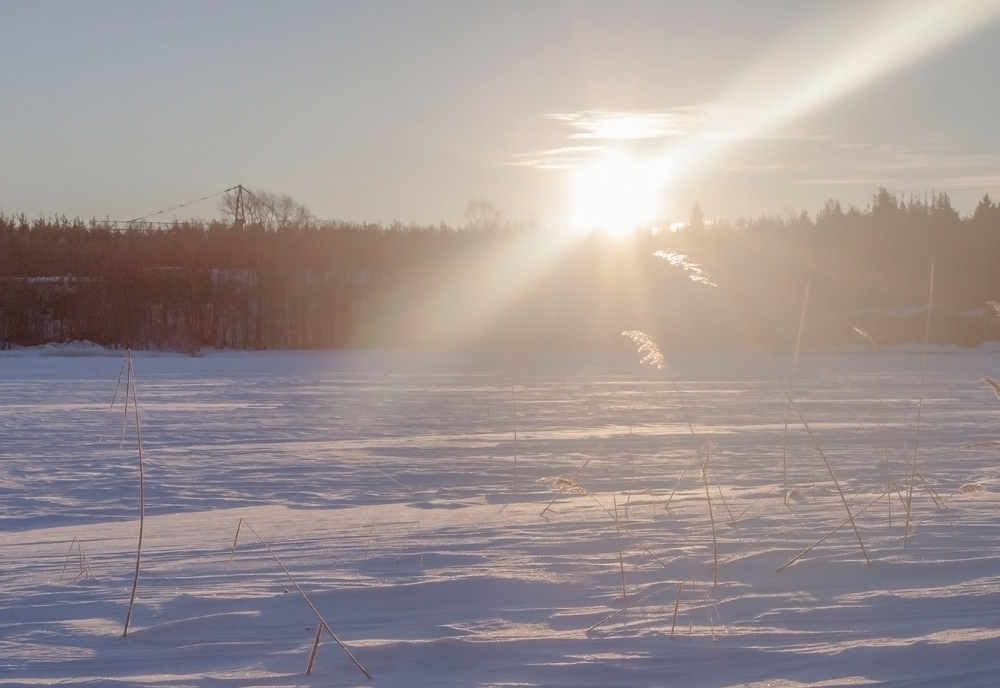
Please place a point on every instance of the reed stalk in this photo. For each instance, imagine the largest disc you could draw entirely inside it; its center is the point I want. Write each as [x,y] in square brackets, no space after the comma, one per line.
[322,622]
[788,407]
[881,413]
[697,274]
[130,389]
[513,404]
[920,404]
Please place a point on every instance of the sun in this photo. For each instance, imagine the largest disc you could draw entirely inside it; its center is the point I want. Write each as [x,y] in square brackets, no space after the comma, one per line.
[617,192]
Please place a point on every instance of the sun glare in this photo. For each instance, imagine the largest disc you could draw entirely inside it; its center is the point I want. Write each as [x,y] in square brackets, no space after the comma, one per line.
[616,193]
[619,190]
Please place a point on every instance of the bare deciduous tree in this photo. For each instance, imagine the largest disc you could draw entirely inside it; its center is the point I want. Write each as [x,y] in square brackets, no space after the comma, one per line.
[267,210]
[482,215]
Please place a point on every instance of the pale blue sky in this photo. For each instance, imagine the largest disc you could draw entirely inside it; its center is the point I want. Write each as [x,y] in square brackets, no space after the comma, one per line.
[408,110]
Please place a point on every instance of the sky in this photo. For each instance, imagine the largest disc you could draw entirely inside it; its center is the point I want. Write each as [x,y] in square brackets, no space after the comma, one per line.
[580,114]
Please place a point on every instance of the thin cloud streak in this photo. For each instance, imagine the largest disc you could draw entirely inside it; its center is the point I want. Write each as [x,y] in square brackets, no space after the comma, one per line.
[868,157]
[632,125]
[646,126]
[983,182]
[850,181]
[565,158]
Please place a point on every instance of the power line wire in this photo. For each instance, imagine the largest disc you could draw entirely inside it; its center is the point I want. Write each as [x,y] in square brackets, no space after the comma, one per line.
[263,203]
[182,205]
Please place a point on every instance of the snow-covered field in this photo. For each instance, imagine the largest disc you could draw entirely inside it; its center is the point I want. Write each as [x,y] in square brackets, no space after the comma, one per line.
[383,483]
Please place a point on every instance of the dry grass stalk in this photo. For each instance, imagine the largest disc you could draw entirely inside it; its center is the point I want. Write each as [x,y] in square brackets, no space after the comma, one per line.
[985,444]
[295,583]
[920,405]
[654,356]
[755,502]
[130,393]
[890,483]
[883,454]
[788,396]
[571,484]
[379,470]
[631,463]
[828,535]
[648,348]
[705,451]
[621,556]
[626,608]
[709,608]
[673,492]
[746,548]
[972,487]
[564,484]
[696,273]
[236,539]
[994,385]
[939,503]
[371,531]
[788,407]
[403,543]
[66,562]
[711,517]
[314,649]
[722,497]
[624,529]
[114,397]
[618,529]
[85,570]
[826,463]
[513,403]
[677,607]
[881,413]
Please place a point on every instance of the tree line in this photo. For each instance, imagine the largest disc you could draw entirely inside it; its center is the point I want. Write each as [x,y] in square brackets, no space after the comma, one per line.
[303,283]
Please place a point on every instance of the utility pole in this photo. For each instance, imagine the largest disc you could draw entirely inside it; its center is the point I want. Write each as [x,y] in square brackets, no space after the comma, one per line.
[240,219]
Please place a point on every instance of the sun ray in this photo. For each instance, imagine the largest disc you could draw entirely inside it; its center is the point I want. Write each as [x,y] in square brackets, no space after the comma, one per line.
[825,61]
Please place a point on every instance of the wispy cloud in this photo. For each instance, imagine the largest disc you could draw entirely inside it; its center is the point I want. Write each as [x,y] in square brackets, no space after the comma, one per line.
[850,181]
[632,125]
[606,128]
[987,181]
[930,163]
[769,167]
[565,158]
[707,120]
[930,155]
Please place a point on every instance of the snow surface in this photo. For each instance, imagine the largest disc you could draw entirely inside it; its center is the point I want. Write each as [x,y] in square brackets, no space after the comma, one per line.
[383,483]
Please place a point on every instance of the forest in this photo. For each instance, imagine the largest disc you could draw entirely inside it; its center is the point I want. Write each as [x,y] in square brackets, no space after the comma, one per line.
[308,284]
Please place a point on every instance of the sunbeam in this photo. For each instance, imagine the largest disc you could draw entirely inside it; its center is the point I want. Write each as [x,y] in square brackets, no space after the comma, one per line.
[617,190]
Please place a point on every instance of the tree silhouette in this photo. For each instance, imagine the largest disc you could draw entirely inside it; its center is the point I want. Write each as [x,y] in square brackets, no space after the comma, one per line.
[291,281]
[482,216]
[697,221]
[267,210]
